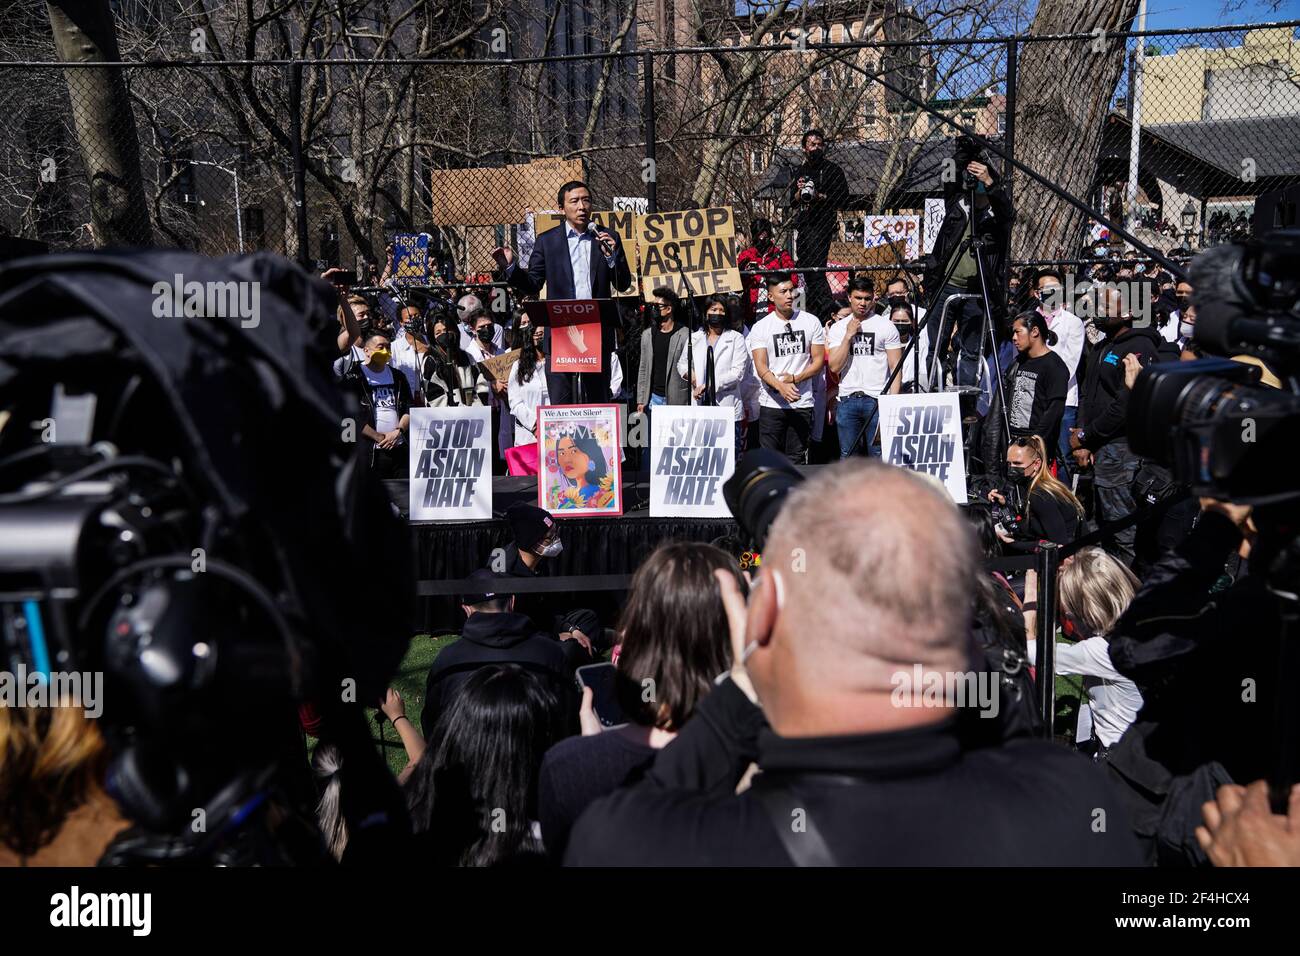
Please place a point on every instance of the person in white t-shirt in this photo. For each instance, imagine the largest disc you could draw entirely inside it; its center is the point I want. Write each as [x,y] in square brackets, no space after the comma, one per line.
[721,364]
[1069,346]
[789,351]
[864,348]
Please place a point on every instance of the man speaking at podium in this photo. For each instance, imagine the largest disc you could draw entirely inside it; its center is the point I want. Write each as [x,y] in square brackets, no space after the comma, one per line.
[576,260]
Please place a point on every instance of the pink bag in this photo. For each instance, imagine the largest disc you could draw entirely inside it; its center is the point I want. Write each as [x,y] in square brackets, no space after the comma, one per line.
[522,460]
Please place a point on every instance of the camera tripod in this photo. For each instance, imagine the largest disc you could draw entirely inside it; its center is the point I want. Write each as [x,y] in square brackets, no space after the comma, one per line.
[938,348]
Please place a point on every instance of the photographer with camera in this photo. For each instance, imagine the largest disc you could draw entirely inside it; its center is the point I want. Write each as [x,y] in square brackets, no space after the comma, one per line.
[952,268]
[1101,440]
[1035,507]
[818,191]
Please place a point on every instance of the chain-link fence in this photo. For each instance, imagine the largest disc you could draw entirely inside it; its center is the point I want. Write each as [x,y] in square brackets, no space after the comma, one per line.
[1182,138]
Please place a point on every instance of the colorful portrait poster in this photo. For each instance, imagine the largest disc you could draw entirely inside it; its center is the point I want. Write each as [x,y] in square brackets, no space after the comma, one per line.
[579,472]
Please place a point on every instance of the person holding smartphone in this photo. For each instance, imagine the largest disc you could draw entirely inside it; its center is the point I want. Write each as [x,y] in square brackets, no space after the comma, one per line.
[661,675]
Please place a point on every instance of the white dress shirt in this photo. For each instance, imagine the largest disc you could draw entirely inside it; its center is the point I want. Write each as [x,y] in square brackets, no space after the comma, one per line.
[730,364]
[1069,346]
[580,251]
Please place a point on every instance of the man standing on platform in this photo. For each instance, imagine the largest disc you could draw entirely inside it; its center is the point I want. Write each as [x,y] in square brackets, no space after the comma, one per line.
[789,350]
[575,260]
[865,348]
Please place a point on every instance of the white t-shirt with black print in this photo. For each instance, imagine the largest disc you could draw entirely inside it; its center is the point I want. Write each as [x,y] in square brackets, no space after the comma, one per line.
[867,367]
[384,390]
[789,351]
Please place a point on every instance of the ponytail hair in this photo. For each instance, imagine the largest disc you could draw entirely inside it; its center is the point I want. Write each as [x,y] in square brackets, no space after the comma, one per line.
[1045,481]
[1033,319]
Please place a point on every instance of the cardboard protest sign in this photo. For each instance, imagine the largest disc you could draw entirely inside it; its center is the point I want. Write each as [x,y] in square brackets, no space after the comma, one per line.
[575,336]
[498,367]
[411,258]
[699,242]
[580,472]
[451,463]
[638,204]
[934,210]
[501,194]
[923,432]
[693,451]
[880,230]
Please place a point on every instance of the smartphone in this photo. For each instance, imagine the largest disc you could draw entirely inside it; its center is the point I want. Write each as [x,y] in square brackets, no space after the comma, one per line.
[604,701]
[348,277]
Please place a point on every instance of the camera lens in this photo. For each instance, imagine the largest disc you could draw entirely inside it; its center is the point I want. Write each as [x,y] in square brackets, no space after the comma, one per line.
[757,490]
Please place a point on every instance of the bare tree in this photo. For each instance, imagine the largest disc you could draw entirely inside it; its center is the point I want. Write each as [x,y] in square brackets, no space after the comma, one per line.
[1065,88]
[84,33]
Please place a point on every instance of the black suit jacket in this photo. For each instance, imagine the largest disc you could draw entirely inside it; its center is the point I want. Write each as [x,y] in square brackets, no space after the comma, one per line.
[549,264]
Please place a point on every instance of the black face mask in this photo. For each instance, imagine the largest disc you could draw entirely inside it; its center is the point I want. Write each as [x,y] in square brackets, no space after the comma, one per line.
[484,334]
[715,320]
[898,302]
[1017,474]
[815,156]
[446,339]
[1182,301]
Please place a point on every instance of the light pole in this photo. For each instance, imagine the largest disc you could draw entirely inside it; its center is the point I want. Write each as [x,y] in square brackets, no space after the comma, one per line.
[239,219]
[1188,216]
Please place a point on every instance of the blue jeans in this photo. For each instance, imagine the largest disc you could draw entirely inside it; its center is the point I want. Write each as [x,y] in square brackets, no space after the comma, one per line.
[851,414]
[1069,418]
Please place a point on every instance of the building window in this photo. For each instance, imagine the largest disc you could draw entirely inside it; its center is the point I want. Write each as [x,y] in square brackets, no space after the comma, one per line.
[805,117]
[755,161]
[254,227]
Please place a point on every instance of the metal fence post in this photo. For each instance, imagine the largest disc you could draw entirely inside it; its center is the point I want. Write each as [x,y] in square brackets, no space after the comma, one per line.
[1009,133]
[651,186]
[299,173]
[1049,560]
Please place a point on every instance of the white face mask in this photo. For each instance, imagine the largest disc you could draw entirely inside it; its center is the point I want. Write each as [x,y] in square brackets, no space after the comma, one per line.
[552,549]
[1185,329]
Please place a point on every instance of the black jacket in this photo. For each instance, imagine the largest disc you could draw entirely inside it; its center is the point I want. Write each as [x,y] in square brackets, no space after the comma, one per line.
[1103,406]
[352,375]
[820,214]
[492,638]
[908,798]
[993,223]
[1190,651]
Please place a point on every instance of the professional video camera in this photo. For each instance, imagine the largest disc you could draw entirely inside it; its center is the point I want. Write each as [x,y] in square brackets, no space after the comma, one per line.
[964,152]
[757,490]
[184,523]
[1209,421]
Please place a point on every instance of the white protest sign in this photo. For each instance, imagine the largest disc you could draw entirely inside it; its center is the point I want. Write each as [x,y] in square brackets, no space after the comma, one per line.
[923,433]
[934,209]
[692,452]
[451,463]
[636,204]
[882,230]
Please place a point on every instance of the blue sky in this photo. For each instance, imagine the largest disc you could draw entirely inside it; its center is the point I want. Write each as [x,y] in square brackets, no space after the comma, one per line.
[1173,14]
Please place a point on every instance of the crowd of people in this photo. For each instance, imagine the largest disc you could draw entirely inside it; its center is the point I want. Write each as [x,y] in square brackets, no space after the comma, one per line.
[733,716]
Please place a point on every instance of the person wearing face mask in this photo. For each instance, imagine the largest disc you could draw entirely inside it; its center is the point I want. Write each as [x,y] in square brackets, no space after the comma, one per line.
[386,396]
[1101,439]
[409,349]
[488,390]
[537,542]
[468,310]
[818,191]
[1049,293]
[1182,325]
[527,387]
[1049,510]
[448,372]
[721,363]
[764,254]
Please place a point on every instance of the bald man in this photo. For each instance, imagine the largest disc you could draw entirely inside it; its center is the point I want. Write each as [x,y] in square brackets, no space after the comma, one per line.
[852,690]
